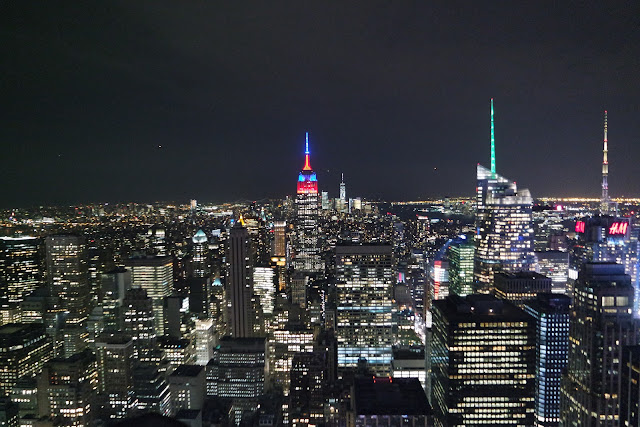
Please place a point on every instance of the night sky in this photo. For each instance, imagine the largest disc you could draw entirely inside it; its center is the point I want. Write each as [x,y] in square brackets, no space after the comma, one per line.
[394,94]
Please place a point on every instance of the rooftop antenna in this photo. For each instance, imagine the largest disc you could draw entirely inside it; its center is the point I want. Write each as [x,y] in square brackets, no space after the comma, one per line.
[493,144]
[604,201]
[307,160]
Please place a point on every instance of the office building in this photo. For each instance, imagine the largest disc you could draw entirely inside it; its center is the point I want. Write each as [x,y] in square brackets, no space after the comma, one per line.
[279,239]
[364,295]
[177,351]
[114,284]
[630,386]
[308,377]
[200,260]
[9,413]
[25,394]
[551,312]
[283,345]
[389,402]
[237,372]
[264,287]
[151,391]
[188,388]
[239,282]
[461,255]
[307,250]
[520,287]
[409,363]
[139,323]
[154,274]
[554,265]
[68,387]
[114,354]
[174,306]
[67,273]
[20,267]
[24,349]
[483,362]
[205,341]
[600,325]
[607,239]
[343,189]
[504,236]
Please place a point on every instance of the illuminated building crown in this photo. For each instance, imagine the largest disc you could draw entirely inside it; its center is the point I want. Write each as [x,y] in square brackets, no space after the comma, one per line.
[307,179]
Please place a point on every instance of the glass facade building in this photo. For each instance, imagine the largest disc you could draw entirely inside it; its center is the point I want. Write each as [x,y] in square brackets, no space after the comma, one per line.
[551,312]
[20,267]
[364,286]
[601,324]
[482,353]
[504,228]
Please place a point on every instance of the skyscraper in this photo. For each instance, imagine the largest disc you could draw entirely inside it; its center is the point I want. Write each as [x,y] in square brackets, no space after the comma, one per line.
[551,312]
[307,258]
[24,349]
[483,353]
[520,287]
[364,287]
[114,354]
[67,273]
[237,372]
[154,274]
[200,255]
[239,282]
[504,224]
[205,341]
[68,387]
[343,190]
[630,386]
[20,267]
[461,253]
[601,324]
[138,323]
[279,239]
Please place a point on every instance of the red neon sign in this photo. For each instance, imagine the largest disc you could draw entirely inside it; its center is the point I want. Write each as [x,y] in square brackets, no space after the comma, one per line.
[580,227]
[618,228]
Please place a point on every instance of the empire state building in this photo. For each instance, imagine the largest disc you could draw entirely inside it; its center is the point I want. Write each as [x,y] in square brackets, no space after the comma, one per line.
[307,252]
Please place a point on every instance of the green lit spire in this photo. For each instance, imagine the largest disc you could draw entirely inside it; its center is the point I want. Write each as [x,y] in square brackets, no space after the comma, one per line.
[493,144]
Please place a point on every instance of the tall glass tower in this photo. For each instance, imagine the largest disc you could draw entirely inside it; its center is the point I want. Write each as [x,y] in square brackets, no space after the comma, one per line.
[364,294]
[504,224]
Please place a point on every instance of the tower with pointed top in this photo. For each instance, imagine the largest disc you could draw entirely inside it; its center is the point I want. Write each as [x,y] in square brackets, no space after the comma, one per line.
[307,252]
[504,224]
[604,200]
[239,282]
[343,190]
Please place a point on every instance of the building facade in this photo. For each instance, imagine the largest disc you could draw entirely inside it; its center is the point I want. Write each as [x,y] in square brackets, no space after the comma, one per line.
[307,249]
[601,324]
[483,362]
[364,286]
[551,312]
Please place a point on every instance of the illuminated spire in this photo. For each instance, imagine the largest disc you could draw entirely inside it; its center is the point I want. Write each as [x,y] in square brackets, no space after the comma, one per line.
[307,160]
[493,144]
[306,146]
[604,201]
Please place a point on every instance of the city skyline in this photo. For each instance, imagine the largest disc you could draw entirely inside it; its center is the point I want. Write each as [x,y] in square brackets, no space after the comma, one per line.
[132,102]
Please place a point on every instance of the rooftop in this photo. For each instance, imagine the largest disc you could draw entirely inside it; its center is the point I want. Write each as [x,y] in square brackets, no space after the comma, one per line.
[390,396]
[187,371]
